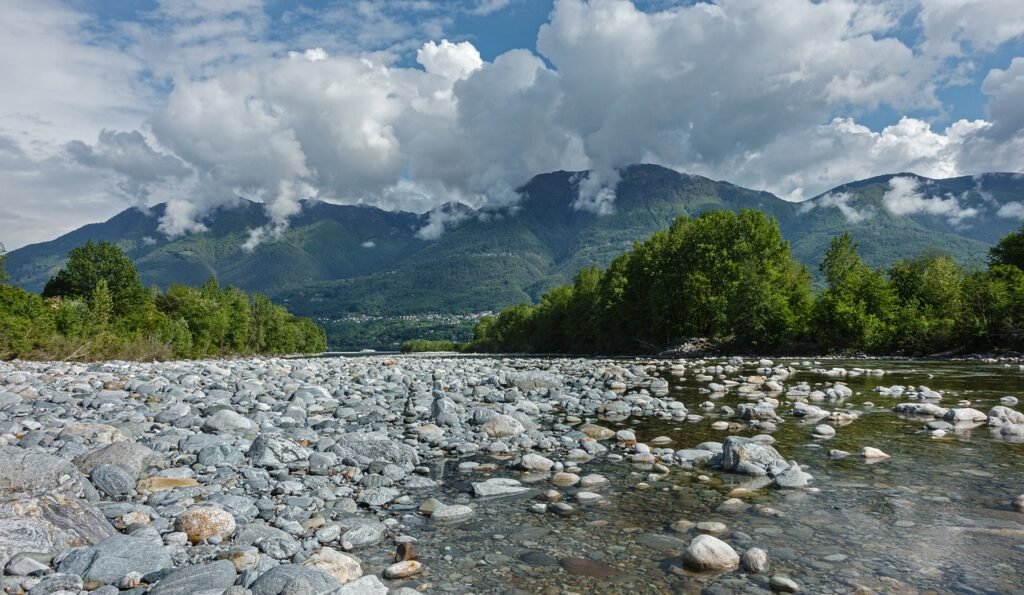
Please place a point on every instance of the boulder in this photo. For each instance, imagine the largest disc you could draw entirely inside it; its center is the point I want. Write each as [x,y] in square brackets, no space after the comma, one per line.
[751,457]
[23,470]
[292,578]
[708,553]
[343,567]
[204,523]
[215,576]
[132,456]
[48,523]
[109,560]
[271,450]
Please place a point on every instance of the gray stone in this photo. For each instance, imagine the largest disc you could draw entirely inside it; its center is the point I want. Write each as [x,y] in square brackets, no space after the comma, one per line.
[292,579]
[367,447]
[270,450]
[132,456]
[364,535]
[227,420]
[708,553]
[57,582]
[25,470]
[497,487]
[751,457]
[186,581]
[367,585]
[48,524]
[114,557]
[112,480]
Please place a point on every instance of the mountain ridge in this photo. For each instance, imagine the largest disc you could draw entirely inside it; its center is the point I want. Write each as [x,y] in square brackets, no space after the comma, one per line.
[336,260]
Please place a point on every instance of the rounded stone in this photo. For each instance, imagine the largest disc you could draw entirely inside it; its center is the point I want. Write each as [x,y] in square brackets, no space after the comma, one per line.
[112,480]
[404,569]
[706,552]
[343,567]
[203,523]
[565,479]
[755,560]
[783,584]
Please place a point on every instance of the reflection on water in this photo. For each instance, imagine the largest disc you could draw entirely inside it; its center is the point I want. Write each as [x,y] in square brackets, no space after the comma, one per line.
[936,517]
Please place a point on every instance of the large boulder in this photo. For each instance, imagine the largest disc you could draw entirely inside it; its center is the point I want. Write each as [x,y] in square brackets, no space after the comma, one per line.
[48,523]
[1001,416]
[109,560]
[503,426]
[534,380]
[367,447]
[751,457]
[24,470]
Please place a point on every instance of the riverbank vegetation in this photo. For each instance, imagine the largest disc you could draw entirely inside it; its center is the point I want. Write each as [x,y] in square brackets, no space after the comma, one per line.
[730,277]
[97,308]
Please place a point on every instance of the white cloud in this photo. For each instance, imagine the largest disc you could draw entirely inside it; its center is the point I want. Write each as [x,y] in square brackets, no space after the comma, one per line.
[369,244]
[1012,210]
[841,201]
[955,27]
[764,94]
[905,197]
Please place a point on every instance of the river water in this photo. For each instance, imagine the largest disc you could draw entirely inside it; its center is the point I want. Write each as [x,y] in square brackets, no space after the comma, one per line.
[934,518]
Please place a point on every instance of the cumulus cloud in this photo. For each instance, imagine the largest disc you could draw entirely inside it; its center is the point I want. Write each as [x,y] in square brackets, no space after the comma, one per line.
[359,103]
[905,197]
[129,155]
[1012,210]
[841,201]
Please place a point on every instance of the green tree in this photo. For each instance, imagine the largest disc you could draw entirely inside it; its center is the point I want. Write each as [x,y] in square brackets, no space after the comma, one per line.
[3,264]
[91,262]
[101,305]
[856,309]
[1009,250]
[929,291]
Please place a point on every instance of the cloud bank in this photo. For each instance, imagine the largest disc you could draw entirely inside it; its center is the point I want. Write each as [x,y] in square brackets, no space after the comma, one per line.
[233,111]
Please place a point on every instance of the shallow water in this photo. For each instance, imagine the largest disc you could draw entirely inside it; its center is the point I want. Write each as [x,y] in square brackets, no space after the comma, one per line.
[936,517]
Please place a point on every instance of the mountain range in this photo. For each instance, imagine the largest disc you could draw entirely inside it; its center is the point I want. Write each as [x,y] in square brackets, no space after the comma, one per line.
[340,260]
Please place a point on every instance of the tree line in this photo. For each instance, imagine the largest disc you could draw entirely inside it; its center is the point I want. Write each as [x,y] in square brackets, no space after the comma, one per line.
[730,277]
[96,307]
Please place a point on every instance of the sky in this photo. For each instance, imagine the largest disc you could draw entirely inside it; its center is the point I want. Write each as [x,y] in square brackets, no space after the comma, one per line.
[409,104]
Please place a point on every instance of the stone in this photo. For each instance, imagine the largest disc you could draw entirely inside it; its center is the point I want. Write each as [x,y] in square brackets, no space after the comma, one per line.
[585,567]
[113,480]
[457,512]
[597,432]
[708,553]
[293,579]
[964,415]
[1018,503]
[109,560]
[565,480]
[755,560]
[270,450]
[24,470]
[502,426]
[23,565]
[48,523]
[783,584]
[205,577]
[364,535]
[204,523]
[132,456]
[711,527]
[229,421]
[152,485]
[824,431]
[592,481]
[792,477]
[405,551]
[93,433]
[343,567]
[872,453]
[367,447]
[405,569]
[535,462]
[368,585]
[498,487]
[751,457]
[56,583]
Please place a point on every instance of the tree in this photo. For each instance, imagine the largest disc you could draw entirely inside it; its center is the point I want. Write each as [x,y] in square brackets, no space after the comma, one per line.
[856,309]
[101,305]
[3,263]
[1009,250]
[91,262]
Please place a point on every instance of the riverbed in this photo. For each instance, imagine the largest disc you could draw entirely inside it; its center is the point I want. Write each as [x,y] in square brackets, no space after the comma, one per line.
[935,515]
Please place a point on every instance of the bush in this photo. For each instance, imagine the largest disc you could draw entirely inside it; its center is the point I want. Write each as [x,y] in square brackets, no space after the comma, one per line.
[425,345]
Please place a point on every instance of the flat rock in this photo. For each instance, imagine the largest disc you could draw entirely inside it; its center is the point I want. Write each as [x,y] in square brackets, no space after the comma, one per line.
[585,567]
[191,579]
[48,523]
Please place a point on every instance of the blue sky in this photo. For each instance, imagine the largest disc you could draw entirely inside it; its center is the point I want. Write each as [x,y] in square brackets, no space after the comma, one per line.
[412,103]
